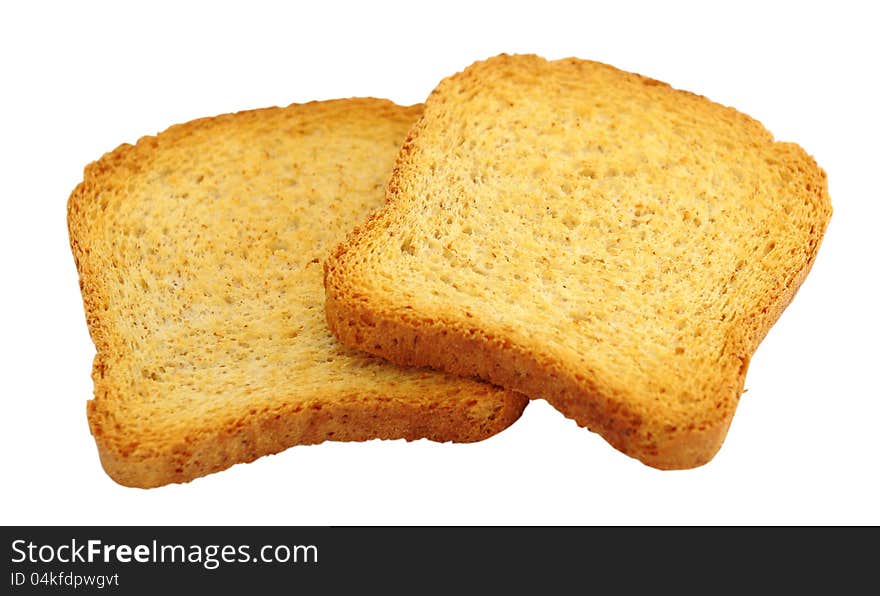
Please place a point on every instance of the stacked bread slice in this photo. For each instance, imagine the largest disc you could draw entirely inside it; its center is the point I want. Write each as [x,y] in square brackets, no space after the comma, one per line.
[200,255]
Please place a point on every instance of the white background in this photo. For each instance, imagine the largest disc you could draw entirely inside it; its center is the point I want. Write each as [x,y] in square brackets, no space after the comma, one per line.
[80,78]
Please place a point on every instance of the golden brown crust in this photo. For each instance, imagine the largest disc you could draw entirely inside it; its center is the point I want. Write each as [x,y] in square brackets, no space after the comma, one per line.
[208,450]
[407,328]
[159,413]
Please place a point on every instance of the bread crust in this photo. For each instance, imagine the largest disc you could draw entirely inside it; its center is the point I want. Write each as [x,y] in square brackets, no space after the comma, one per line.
[137,448]
[214,448]
[429,334]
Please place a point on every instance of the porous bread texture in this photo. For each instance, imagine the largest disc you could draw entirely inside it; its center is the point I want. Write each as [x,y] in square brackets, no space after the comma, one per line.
[200,259]
[588,236]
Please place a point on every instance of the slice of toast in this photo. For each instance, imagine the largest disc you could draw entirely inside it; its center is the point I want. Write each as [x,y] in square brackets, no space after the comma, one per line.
[200,259]
[587,236]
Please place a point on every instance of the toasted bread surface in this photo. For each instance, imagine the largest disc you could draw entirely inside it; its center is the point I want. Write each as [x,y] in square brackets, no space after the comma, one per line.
[200,256]
[587,236]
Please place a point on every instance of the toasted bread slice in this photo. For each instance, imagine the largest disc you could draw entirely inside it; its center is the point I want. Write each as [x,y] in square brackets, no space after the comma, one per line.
[587,236]
[200,259]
